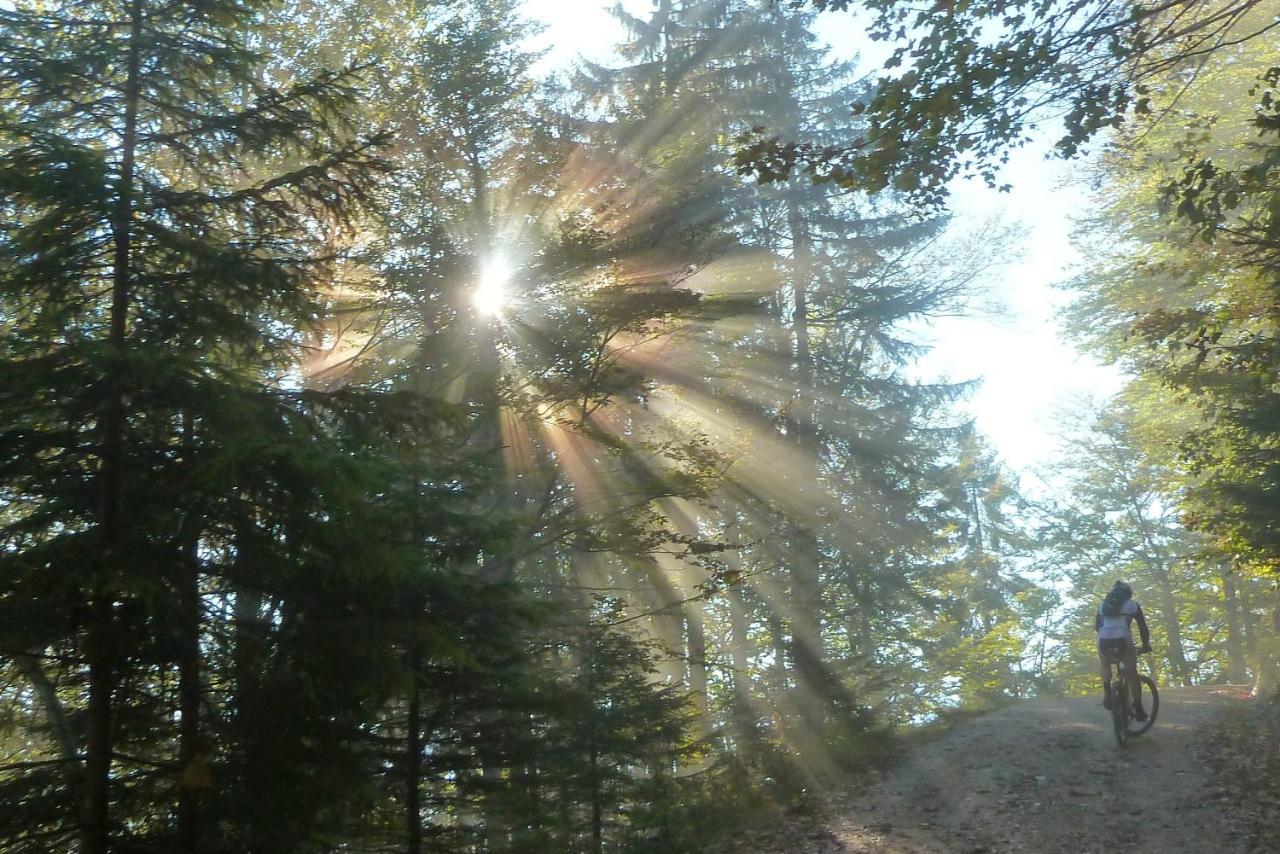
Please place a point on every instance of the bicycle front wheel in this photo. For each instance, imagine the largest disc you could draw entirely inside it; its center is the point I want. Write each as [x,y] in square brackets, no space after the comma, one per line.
[1152,697]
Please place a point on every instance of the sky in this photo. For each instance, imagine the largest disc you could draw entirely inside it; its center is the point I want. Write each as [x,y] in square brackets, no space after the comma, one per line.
[1029,374]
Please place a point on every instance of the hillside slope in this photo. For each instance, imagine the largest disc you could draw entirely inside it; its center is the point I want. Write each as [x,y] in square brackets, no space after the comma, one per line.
[1044,776]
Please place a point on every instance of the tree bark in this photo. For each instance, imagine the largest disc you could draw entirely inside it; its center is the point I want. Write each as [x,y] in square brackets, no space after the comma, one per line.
[63,737]
[597,805]
[668,621]
[1173,625]
[738,620]
[94,813]
[192,773]
[1267,670]
[1249,621]
[191,769]
[697,655]
[1236,669]
[413,760]
[1159,561]
[413,726]
[778,637]
[248,659]
[99,640]
[806,595]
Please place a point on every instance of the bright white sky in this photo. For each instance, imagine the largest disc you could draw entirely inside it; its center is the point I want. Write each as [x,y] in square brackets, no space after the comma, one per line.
[1028,372]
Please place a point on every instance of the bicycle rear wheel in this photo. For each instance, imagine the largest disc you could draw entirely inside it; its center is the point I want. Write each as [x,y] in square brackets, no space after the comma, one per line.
[1152,696]
[1119,712]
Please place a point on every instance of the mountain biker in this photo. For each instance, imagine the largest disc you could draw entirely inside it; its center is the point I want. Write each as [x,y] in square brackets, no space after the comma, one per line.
[1115,614]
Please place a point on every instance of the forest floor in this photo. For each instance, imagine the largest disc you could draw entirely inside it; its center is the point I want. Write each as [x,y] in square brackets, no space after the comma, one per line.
[1047,776]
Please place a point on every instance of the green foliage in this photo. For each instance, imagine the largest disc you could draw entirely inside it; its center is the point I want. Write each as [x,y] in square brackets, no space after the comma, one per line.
[967,81]
[1185,301]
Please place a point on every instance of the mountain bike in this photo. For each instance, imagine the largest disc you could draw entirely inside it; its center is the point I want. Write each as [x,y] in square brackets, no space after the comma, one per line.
[1122,701]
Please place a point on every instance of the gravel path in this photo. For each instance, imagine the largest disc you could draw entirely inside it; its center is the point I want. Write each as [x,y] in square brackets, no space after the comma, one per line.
[1044,777]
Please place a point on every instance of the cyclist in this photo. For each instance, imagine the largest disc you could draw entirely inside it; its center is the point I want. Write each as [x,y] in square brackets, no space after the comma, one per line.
[1115,614]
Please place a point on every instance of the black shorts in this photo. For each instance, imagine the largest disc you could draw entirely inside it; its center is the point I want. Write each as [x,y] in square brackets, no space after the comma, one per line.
[1115,649]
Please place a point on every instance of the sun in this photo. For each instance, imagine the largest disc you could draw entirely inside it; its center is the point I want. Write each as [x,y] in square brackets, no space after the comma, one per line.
[492,295]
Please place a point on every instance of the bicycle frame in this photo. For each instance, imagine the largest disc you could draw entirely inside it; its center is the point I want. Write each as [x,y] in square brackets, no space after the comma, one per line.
[1122,696]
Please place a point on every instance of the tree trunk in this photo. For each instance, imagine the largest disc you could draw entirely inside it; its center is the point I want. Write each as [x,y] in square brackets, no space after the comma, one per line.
[413,726]
[597,805]
[1159,561]
[100,647]
[248,659]
[806,594]
[1173,626]
[413,759]
[697,655]
[94,807]
[738,620]
[1267,671]
[1236,670]
[192,774]
[61,731]
[1249,622]
[742,715]
[668,620]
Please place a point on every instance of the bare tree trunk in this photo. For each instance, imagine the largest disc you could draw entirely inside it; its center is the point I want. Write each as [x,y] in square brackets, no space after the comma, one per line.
[1158,559]
[47,695]
[100,638]
[597,805]
[1236,670]
[742,715]
[413,759]
[94,811]
[1172,624]
[192,777]
[697,655]
[248,654]
[693,609]
[413,726]
[668,621]
[738,649]
[1267,672]
[1249,622]
[778,640]
[806,595]
[738,620]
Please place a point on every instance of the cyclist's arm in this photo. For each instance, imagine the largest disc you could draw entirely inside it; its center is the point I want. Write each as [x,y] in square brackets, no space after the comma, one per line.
[1097,621]
[1142,627]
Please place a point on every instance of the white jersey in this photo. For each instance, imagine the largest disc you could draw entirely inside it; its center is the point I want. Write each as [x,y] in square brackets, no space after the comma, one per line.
[1118,626]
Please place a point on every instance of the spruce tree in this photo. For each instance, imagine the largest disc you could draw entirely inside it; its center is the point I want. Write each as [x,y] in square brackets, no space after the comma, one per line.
[494,171]
[164,209]
[845,532]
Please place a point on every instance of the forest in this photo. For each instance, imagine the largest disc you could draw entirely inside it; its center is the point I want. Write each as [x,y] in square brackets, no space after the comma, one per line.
[407,448]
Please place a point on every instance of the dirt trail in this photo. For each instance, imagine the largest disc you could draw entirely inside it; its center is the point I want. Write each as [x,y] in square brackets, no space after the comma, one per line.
[1042,777]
